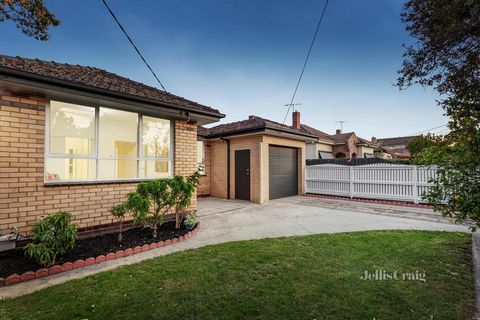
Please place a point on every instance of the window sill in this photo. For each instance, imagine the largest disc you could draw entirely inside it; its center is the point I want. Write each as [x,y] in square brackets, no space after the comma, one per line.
[91,182]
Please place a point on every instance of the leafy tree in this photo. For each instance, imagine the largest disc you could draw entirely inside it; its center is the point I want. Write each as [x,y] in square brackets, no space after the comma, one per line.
[149,203]
[32,17]
[422,142]
[51,236]
[446,56]
[119,211]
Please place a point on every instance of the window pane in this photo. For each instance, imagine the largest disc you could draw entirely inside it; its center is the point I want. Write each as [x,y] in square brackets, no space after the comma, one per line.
[155,169]
[72,129]
[69,169]
[117,134]
[155,137]
[117,169]
[200,157]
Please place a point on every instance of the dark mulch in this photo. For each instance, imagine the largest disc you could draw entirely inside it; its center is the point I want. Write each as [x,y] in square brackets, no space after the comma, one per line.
[14,261]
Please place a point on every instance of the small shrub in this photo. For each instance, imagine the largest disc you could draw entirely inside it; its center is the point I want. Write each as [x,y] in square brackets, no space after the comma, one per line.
[119,211]
[191,221]
[51,236]
[149,204]
[182,192]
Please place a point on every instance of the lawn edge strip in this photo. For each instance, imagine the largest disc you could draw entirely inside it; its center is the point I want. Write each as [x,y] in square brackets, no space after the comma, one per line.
[80,263]
[386,202]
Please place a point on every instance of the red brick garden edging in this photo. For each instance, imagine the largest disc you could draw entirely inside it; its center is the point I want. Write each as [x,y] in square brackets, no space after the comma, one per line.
[43,272]
[387,202]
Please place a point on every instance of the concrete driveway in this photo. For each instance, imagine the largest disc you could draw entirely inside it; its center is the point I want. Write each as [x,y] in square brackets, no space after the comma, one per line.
[231,220]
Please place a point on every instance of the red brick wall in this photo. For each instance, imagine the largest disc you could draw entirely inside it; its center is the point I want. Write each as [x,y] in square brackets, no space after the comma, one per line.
[23,196]
[349,148]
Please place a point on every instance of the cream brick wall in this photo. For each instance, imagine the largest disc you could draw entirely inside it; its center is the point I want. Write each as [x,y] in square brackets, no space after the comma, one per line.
[24,197]
[185,160]
[218,160]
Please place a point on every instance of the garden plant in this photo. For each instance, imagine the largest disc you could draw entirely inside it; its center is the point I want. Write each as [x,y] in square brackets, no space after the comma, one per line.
[51,236]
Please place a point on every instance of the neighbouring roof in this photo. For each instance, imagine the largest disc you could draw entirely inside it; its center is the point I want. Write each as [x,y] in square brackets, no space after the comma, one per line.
[97,78]
[319,134]
[400,153]
[365,141]
[385,142]
[340,138]
[253,123]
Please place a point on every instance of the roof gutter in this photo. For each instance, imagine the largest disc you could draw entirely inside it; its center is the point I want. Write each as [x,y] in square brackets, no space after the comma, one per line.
[259,130]
[8,72]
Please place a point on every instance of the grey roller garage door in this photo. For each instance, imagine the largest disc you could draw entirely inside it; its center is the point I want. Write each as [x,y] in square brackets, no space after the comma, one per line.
[283,172]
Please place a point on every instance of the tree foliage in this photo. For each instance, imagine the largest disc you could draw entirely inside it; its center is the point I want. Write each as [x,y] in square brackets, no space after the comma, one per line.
[32,17]
[422,142]
[446,56]
[51,236]
[154,199]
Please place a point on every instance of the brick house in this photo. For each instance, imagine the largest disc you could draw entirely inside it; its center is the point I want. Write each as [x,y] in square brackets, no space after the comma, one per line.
[254,159]
[335,146]
[79,139]
[396,146]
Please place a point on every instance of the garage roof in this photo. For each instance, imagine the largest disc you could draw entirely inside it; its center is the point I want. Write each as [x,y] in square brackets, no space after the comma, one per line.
[252,124]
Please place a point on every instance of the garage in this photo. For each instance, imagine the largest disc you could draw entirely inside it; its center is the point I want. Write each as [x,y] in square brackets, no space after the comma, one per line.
[254,160]
[283,172]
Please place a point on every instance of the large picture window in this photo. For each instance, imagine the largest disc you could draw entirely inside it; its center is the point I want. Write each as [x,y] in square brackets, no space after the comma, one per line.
[87,143]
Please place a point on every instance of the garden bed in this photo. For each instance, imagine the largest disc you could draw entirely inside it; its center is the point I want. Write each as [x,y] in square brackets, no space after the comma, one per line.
[15,262]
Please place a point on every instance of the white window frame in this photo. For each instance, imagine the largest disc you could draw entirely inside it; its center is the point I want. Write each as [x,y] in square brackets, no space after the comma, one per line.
[96,157]
[204,160]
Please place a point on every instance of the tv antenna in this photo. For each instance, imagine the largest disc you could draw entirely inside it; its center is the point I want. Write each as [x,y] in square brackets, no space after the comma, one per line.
[341,123]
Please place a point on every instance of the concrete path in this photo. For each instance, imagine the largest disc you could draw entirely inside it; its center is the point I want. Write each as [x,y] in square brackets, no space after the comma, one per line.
[230,220]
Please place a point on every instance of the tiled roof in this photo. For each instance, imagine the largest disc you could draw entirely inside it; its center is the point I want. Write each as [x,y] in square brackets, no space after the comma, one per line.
[252,123]
[319,134]
[341,137]
[202,131]
[337,138]
[97,78]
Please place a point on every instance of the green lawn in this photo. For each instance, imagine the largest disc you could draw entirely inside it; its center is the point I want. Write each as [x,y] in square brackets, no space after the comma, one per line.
[312,277]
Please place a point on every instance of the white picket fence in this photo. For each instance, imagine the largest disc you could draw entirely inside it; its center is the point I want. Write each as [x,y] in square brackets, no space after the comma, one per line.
[392,182]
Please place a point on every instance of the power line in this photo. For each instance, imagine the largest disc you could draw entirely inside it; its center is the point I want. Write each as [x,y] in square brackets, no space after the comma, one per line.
[306,59]
[428,130]
[133,44]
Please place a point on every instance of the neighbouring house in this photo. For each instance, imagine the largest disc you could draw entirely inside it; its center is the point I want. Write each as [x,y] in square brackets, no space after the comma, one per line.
[335,146]
[396,147]
[254,159]
[79,139]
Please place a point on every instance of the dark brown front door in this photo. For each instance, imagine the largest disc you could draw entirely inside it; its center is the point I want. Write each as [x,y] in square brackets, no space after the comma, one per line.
[242,174]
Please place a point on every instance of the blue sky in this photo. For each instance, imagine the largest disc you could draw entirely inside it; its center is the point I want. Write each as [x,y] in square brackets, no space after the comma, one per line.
[244,57]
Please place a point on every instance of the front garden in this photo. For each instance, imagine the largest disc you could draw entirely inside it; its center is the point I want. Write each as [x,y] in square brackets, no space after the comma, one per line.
[54,239]
[310,277]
